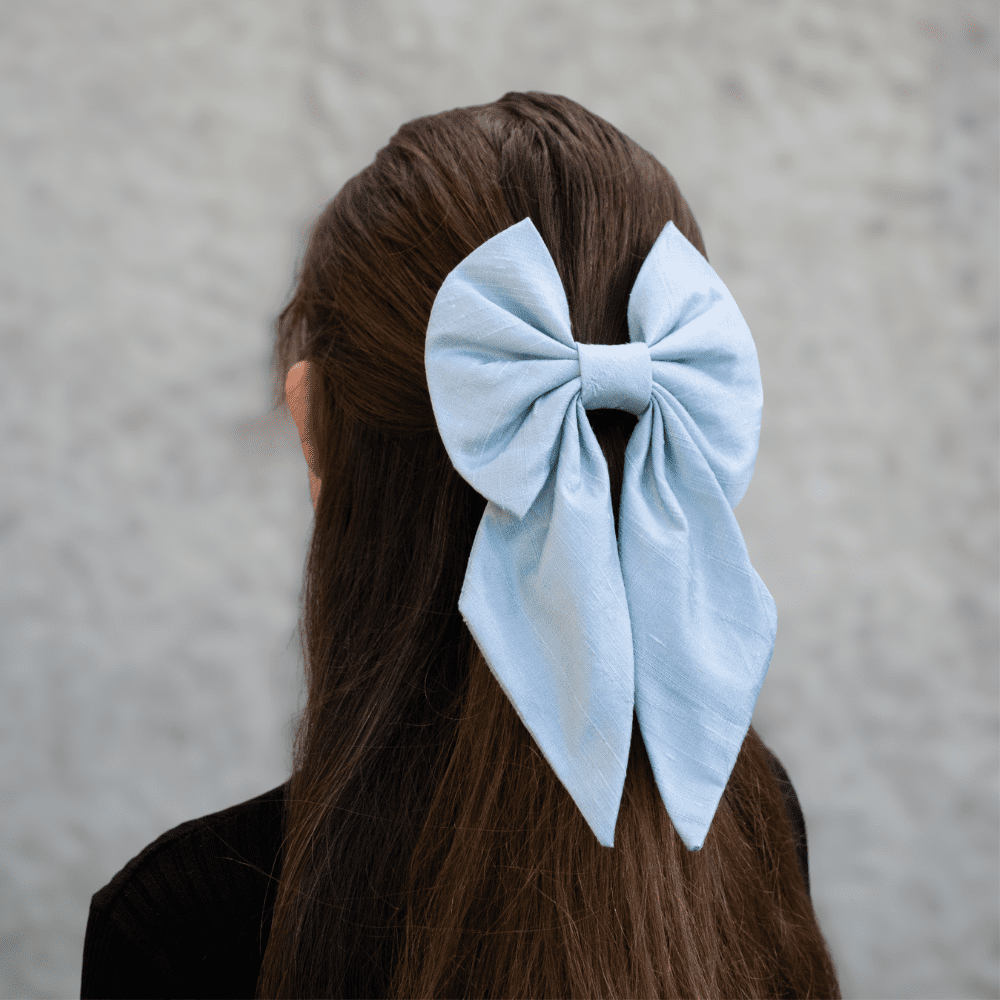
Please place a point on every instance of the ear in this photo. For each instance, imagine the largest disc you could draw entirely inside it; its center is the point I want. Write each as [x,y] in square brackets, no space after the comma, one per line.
[296,392]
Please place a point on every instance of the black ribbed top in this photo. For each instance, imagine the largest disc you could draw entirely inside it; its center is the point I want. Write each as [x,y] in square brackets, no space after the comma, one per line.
[190,915]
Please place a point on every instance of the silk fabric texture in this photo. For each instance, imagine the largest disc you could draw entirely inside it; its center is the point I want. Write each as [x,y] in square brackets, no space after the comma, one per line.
[578,627]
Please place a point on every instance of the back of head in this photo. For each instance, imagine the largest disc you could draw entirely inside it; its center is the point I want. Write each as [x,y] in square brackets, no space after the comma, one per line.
[430,850]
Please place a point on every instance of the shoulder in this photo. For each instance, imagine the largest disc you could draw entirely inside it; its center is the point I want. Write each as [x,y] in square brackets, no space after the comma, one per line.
[239,833]
[202,890]
[793,810]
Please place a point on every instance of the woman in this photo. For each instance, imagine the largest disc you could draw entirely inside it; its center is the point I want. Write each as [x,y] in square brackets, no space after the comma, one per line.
[424,845]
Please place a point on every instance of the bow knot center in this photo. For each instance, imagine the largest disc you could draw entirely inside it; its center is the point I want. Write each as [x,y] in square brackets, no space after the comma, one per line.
[616,376]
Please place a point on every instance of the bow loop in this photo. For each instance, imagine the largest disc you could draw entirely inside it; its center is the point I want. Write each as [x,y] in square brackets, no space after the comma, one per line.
[670,620]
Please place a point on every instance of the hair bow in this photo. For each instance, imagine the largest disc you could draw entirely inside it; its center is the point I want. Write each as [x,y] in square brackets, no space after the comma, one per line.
[576,627]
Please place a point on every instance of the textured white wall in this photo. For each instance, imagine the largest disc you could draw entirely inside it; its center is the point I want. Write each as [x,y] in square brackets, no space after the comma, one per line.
[159,162]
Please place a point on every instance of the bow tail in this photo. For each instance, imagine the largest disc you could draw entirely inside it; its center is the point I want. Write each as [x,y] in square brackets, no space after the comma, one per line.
[707,636]
[545,601]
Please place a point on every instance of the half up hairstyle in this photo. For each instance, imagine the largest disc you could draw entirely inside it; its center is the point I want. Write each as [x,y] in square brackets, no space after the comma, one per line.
[429,849]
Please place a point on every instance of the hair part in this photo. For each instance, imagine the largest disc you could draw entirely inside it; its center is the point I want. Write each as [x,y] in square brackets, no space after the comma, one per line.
[429,848]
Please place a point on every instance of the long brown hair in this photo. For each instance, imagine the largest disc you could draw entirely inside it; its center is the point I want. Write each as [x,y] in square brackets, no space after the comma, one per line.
[430,850]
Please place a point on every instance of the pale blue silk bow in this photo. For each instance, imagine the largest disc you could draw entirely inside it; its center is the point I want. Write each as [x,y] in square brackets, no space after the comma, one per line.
[578,628]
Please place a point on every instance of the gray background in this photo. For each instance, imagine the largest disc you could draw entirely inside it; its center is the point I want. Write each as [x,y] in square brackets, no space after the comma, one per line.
[159,165]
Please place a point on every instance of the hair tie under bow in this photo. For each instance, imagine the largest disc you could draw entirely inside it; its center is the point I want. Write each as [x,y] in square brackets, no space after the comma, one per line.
[578,628]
